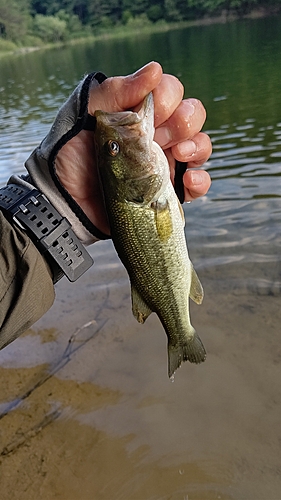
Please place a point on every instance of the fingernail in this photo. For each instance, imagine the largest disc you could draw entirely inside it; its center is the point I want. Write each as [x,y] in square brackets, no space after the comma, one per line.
[163,136]
[196,177]
[187,148]
[141,70]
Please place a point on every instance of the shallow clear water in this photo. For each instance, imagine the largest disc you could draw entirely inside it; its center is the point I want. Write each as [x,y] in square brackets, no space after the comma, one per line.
[118,428]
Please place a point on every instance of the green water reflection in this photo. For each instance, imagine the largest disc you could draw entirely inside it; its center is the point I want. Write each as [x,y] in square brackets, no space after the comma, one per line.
[237,62]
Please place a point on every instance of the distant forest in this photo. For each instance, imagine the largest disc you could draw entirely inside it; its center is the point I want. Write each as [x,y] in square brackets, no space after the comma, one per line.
[35,22]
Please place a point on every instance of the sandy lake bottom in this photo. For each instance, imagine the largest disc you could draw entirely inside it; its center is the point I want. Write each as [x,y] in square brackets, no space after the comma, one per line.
[97,418]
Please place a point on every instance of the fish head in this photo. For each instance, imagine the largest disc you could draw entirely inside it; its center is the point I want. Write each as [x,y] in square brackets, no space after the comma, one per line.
[130,163]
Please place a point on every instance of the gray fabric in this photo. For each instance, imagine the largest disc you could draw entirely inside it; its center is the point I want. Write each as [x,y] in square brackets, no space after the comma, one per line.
[26,286]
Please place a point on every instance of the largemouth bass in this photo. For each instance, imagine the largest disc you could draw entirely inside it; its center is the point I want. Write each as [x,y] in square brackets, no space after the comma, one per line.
[147,227]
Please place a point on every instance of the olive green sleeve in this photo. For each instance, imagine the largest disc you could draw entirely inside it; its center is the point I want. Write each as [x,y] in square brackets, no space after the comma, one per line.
[26,286]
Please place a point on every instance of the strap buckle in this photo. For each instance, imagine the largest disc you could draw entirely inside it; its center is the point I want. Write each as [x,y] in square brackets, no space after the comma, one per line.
[51,232]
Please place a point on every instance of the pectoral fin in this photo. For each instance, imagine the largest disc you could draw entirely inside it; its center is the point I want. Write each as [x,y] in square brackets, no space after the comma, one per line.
[163,219]
[141,310]
[196,290]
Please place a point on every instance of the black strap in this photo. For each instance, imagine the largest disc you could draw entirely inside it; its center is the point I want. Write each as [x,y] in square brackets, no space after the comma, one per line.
[49,231]
[180,169]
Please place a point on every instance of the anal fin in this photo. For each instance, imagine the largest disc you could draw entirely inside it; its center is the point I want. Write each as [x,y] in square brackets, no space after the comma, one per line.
[196,290]
[140,309]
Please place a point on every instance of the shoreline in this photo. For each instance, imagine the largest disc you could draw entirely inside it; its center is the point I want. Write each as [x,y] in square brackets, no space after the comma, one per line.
[223,18]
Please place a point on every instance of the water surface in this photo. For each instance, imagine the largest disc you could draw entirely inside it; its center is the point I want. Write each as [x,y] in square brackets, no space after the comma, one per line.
[98,418]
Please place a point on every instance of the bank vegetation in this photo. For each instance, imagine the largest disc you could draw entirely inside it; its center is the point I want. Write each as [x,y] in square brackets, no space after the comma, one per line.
[35,23]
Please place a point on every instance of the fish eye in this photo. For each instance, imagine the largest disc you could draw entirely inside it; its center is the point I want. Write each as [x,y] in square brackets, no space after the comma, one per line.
[113,148]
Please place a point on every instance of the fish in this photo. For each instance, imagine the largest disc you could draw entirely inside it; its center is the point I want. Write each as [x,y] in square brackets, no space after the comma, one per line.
[147,227]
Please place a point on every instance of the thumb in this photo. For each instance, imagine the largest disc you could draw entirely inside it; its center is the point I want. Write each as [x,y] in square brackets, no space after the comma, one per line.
[124,92]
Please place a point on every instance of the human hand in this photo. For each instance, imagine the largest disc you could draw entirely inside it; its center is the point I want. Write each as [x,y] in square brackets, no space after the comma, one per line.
[177,130]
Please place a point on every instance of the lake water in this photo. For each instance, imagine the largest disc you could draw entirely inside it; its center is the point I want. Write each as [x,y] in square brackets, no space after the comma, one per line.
[101,420]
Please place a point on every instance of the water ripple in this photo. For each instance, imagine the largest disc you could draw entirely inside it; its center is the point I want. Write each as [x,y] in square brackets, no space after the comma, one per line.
[232,221]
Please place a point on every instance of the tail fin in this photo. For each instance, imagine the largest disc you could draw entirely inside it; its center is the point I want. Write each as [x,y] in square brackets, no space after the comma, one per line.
[191,350]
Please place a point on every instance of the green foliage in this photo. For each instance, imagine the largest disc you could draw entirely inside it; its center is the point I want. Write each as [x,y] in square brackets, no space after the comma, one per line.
[14,19]
[155,13]
[7,45]
[172,13]
[138,22]
[201,7]
[126,15]
[96,11]
[73,23]
[50,28]
[22,21]
[52,7]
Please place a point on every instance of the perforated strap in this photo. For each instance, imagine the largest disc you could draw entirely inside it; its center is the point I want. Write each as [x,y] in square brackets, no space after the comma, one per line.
[49,231]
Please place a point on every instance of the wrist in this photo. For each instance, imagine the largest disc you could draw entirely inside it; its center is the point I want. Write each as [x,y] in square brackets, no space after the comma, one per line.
[50,232]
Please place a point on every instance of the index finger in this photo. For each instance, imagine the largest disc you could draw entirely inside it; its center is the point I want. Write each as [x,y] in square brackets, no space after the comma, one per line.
[120,93]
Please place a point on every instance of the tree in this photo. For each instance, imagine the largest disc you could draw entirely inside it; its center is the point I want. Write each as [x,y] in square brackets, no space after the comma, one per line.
[135,6]
[50,28]
[172,13]
[207,6]
[51,7]
[14,19]
[155,13]
[64,18]
[81,9]
[97,9]
[73,23]
[242,7]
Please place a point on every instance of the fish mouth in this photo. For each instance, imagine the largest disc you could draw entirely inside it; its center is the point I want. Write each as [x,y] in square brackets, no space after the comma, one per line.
[129,118]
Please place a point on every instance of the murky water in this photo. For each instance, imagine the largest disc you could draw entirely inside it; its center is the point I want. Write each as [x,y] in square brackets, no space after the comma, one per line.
[98,418]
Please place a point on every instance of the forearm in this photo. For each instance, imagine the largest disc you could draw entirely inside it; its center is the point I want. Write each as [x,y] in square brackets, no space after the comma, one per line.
[26,280]
[26,286]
